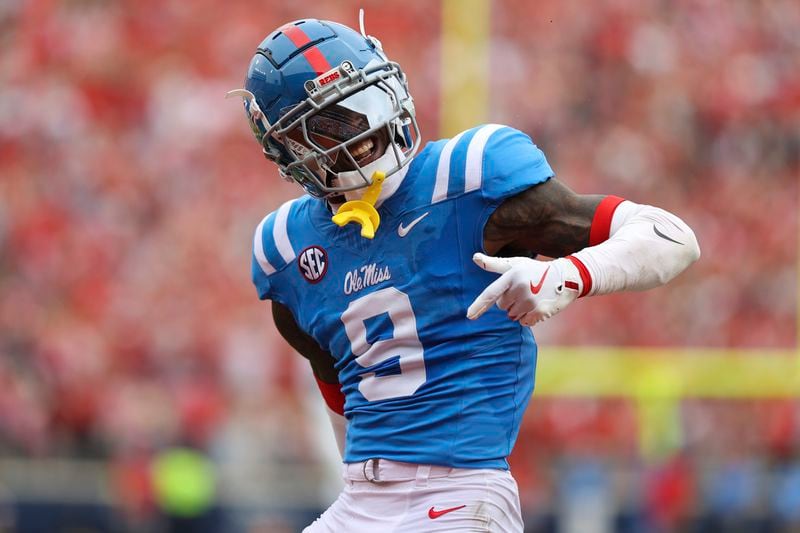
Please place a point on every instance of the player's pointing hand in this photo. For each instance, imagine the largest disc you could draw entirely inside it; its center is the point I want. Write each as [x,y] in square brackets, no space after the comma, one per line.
[529,290]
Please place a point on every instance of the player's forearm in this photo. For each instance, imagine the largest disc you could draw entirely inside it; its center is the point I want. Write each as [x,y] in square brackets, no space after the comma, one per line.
[646,247]
[334,403]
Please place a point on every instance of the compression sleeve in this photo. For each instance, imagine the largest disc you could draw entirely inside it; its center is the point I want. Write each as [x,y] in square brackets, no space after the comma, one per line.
[633,247]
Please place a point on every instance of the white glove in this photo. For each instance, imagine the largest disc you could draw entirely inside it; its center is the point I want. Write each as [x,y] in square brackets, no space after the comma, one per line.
[529,290]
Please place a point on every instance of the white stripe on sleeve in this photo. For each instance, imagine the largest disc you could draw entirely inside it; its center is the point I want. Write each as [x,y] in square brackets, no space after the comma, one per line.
[443,170]
[280,232]
[258,248]
[477,145]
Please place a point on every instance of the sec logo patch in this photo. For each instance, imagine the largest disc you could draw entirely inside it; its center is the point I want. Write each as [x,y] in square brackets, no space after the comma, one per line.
[313,264]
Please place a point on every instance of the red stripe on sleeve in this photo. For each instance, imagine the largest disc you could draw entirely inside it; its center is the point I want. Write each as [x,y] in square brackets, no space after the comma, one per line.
[333,395]
[601,223]
[313,54]
[586,278]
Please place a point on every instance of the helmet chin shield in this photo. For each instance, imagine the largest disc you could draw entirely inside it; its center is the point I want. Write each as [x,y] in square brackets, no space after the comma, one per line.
[354,122]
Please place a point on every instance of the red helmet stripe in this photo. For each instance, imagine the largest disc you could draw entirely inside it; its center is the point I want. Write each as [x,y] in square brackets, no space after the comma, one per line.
[312,54]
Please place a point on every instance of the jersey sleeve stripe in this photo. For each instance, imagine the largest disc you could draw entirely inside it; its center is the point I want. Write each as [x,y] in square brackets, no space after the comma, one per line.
[443,170]
[258,248]
[281,234]
[477,146]
[458,164]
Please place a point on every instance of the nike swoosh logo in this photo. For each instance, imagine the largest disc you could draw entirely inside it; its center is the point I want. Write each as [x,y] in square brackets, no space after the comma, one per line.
[434,514]
[403,230]
[536,288]
[664,236]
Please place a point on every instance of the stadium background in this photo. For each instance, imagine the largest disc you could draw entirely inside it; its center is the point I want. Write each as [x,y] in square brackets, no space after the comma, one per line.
[142,386]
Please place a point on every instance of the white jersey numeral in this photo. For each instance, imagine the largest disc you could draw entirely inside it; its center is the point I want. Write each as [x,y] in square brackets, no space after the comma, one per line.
[404,344]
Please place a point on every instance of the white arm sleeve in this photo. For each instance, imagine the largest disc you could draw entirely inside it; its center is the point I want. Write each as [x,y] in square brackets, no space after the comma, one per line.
[647,247]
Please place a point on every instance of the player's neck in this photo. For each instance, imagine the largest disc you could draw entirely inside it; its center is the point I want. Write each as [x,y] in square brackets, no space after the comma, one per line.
[392,184]
[390,187]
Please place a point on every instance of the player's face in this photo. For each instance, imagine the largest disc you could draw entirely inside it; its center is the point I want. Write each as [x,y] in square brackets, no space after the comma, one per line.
[351,133]
[336,126]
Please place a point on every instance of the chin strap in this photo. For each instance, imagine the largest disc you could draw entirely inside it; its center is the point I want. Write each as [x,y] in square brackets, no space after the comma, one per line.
[363,211]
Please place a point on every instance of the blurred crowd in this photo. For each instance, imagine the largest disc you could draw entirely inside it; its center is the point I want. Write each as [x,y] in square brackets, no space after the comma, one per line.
[129,190]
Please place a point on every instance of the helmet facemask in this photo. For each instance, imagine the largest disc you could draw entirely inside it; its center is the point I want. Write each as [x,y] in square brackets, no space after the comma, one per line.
[333,141]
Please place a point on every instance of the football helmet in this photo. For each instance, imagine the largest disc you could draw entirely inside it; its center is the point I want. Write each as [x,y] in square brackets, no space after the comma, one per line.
[329,107]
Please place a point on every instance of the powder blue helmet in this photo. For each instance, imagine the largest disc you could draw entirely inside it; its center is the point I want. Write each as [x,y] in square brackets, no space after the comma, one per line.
[329,107]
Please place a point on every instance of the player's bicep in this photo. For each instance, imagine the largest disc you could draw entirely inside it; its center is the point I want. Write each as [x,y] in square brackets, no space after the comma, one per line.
[548,218]
[321,360]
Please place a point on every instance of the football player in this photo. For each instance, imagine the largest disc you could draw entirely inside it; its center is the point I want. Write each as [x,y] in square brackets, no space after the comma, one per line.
[416,317]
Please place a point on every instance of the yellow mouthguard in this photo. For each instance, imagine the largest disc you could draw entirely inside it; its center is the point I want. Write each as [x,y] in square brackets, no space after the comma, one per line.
[363,211]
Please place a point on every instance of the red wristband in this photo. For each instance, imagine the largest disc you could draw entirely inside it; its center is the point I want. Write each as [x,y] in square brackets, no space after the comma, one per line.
[586,278]
[333,395]
[601,223]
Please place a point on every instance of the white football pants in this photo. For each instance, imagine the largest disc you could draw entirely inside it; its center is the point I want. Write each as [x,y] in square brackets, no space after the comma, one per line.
[388,496]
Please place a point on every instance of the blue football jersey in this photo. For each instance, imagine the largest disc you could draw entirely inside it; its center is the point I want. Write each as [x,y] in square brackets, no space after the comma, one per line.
[422,383]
